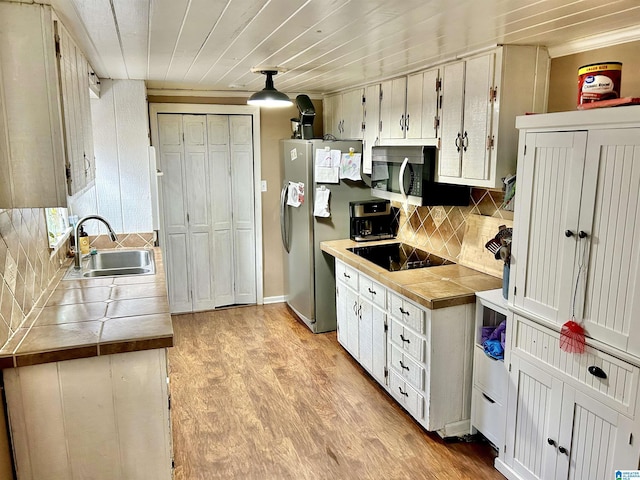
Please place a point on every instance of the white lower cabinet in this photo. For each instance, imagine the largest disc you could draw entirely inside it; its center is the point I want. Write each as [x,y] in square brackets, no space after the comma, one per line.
[557,431]
[422,357]
[102,418]
[362,320]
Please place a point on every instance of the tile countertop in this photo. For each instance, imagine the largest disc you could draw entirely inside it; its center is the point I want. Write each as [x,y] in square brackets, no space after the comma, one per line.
[94,316]
[434,287]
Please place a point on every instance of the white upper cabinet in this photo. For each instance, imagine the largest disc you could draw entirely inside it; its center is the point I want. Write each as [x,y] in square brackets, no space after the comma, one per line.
[47,147]
[481,96]
[371,135]
[344,115]
[409,109]
[76,110]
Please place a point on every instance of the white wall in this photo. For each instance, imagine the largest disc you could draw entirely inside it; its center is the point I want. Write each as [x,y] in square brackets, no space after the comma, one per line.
[122,191]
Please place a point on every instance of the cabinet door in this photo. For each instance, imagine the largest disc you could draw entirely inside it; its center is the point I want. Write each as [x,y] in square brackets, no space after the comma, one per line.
[341,313]
[352,322]
[550,181]
[392,109]
[477,117]
[371,134]
[451,120]
[353,114]
[422,105]
[610,215]
[535,399]
[372,340]
[594,440]
[333,115]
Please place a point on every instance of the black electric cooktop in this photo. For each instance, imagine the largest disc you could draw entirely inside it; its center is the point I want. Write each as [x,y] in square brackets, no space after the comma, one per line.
[398,256]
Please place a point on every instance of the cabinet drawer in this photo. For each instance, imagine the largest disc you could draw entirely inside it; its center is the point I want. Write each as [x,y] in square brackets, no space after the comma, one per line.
[405,311]
[346,275]
[490,375]
[407,368]
[618,390]
[407,396]
[410,342]
[372,291]
[488,416]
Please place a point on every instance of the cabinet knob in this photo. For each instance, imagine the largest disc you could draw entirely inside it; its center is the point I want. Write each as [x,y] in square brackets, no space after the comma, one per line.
[582,234]
[551,442]
[568,233]
[597,372]
[563,450]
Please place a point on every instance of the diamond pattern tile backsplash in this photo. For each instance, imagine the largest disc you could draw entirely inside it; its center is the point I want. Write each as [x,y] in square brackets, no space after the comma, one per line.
[439,229]
[26,265]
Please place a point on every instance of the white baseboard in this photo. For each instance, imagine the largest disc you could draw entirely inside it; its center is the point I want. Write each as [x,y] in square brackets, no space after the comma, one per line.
[505,469]
[278,299]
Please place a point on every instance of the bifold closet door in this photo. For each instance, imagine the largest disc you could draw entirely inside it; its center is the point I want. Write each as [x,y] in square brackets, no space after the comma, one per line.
[208,210]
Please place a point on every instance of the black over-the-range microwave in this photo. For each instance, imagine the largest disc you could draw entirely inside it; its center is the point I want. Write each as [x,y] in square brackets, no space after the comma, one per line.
[406,174]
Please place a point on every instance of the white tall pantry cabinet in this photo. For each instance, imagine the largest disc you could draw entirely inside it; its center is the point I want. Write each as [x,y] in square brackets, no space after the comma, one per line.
[577,220]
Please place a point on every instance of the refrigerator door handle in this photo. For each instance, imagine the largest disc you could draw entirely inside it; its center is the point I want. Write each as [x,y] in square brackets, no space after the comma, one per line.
[283,216]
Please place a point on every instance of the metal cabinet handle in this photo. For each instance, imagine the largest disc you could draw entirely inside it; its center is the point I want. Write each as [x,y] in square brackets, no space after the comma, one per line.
[346,274]
[403,311]
[403,366]
[404,339]
[458,141]
[355,308]
[406,123]
[465,141]
[402,123]
[373,292]
[403,393]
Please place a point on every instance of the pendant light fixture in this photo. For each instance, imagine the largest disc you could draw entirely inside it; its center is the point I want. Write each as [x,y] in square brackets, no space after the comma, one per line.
[269,96]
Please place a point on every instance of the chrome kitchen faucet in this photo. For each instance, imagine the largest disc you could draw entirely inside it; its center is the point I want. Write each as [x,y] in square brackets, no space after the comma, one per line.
[112,235]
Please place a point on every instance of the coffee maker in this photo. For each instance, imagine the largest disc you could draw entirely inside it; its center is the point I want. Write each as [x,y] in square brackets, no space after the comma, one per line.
[372,220]
[303,126]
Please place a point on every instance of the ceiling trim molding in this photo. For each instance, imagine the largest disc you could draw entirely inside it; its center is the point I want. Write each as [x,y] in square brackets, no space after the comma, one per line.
[624,35]
[161,92]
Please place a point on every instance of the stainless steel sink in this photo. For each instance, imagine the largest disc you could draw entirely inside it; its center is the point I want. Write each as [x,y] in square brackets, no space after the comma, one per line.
[113,263]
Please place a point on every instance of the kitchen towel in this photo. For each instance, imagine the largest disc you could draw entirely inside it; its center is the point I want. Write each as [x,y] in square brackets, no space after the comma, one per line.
[321,206]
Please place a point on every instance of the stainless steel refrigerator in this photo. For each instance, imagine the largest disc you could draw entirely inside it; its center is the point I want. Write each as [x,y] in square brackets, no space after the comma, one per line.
[309,272]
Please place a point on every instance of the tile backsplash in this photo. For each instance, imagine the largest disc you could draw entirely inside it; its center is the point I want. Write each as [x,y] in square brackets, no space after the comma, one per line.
[440,229]
[27,266]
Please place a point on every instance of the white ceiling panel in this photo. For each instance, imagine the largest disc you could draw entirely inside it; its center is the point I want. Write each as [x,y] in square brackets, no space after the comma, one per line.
[324,45]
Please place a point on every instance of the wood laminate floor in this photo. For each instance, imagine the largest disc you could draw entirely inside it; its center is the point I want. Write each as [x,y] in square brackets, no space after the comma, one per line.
[256,395]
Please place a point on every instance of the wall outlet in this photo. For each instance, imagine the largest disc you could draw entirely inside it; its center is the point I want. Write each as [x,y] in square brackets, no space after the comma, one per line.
[263,185]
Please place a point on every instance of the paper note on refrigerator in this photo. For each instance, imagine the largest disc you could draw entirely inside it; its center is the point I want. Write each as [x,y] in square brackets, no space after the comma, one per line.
[350,166]
[327,166]
[321,204]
